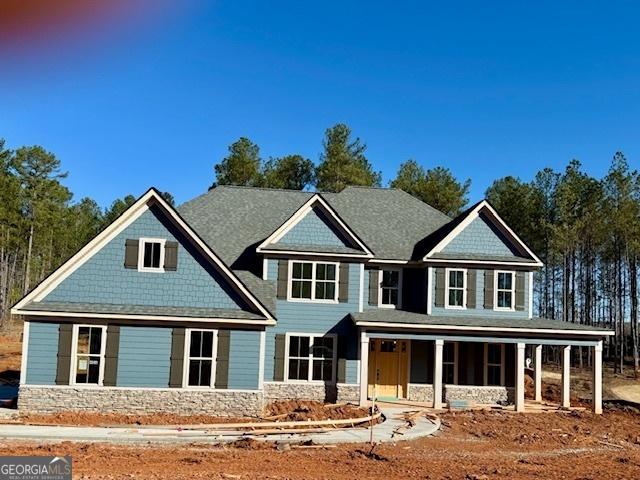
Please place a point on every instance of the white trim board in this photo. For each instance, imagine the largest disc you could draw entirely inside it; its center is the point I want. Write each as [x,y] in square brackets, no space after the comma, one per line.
[299,215]
[129,216]
[472,215]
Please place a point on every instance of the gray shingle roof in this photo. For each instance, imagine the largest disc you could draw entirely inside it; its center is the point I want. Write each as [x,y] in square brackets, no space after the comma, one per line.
[486,258]
[400,317]
[314,248]
[107,308]
[234,220]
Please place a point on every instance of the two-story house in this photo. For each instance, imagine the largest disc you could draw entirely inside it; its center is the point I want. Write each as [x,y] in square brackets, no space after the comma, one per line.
[246,295]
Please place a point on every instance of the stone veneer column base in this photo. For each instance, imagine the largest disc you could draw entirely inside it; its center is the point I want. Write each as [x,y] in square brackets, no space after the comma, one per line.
[482,395]
[140,401]
[420,392]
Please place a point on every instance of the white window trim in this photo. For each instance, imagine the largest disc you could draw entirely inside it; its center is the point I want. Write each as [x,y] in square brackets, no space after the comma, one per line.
[384,305]
[74,353]
[313,299]
[312,336]
[464,289]
[142,241]
[486,364]
[187,357]
[455,362]
[513,291]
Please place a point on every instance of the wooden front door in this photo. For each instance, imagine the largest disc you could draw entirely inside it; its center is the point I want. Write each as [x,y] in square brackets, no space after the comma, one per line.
[388,368]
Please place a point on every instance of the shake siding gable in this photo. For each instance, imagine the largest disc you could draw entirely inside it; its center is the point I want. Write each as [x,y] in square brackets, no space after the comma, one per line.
[480,237]
[314,229]
[319,318]
[42,353]
[104,279]
[144,357]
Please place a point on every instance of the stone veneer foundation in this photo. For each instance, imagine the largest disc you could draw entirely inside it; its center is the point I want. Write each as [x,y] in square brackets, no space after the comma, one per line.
[420,392]
[36,399]
[482,395]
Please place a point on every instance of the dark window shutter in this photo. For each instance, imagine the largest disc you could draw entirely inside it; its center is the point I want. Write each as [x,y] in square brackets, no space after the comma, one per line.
[65,338]
[283,279]
[177,357]
[278,358]
[111,356]
[520,286]
[222,359]
[131,253]
[171,256]
[374,283]
[440,287]
[343,283]
[341,369]
[488,289]
[471,288]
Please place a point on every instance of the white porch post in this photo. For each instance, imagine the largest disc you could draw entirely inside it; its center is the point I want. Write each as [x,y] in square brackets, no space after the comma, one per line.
[364,367]
[538,372]
[597,378]
[520,377]
[437,374]
[566,373]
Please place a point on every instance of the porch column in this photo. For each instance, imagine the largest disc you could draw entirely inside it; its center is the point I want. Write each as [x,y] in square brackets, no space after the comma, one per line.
[437,374]
[538,372]
[597,378]
[520,377]
[566,373]
[364,367]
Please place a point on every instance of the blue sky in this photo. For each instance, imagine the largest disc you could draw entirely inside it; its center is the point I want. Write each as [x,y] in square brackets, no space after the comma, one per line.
[486,89]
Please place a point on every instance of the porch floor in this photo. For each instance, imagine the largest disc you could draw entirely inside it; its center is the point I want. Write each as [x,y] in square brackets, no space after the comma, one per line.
[530,406]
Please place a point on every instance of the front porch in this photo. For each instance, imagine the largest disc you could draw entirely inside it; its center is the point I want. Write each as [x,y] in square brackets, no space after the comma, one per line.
[440,364]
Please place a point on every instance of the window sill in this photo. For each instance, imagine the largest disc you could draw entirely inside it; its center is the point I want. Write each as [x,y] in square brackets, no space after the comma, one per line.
[307,300]
[151,270]
[392,307]
[503,309]
[454,307]
[309,382]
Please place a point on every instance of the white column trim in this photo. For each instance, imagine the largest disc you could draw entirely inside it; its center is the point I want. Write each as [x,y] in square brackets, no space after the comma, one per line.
[520,377]
[437,373]
[566,377]
[537,363]
[25,352]
[364,367]
[597,379]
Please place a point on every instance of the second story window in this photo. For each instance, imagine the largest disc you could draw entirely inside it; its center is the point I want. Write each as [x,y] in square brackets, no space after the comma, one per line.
[313,281]
[389,288]
[504,291]
[456,294]
[151,255]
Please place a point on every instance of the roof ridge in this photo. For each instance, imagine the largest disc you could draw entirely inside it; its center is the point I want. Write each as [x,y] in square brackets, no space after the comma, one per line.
[270,189]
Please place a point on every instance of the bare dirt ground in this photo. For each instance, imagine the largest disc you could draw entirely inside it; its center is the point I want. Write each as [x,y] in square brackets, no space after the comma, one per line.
[473,445]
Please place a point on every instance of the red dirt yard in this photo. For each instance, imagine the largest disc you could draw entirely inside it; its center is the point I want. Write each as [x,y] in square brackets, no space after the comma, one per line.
[472,445]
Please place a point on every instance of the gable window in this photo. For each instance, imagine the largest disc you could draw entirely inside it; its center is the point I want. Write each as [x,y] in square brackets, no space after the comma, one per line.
[310,357]
[88,354]
[493,364]
[456,288]
[449,363]
[504,290]
[151,255]
[390,288]
[201,355]
[314,281]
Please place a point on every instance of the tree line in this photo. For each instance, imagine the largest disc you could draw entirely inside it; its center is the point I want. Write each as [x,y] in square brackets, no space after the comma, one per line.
[586,230]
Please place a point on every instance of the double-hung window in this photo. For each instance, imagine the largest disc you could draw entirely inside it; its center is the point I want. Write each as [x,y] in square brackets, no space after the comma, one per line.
[88,354]
[314,281]
[494,364]
[390,288]
[201,357]
[449,363]
[504,290]
[151,255]
[311,357]
[456,291]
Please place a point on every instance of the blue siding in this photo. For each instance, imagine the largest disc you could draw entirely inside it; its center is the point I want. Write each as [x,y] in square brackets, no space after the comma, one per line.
[305,317]
[103,278]
[480,237]
[42,353]
[480,310]
[144,358]
[313,229]
[244,359]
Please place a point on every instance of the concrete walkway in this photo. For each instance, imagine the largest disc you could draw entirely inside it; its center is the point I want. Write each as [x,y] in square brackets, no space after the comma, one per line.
[382,432]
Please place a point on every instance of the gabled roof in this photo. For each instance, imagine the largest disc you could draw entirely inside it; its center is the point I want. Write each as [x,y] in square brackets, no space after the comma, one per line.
[355,246]
[151,197]
[440,239]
